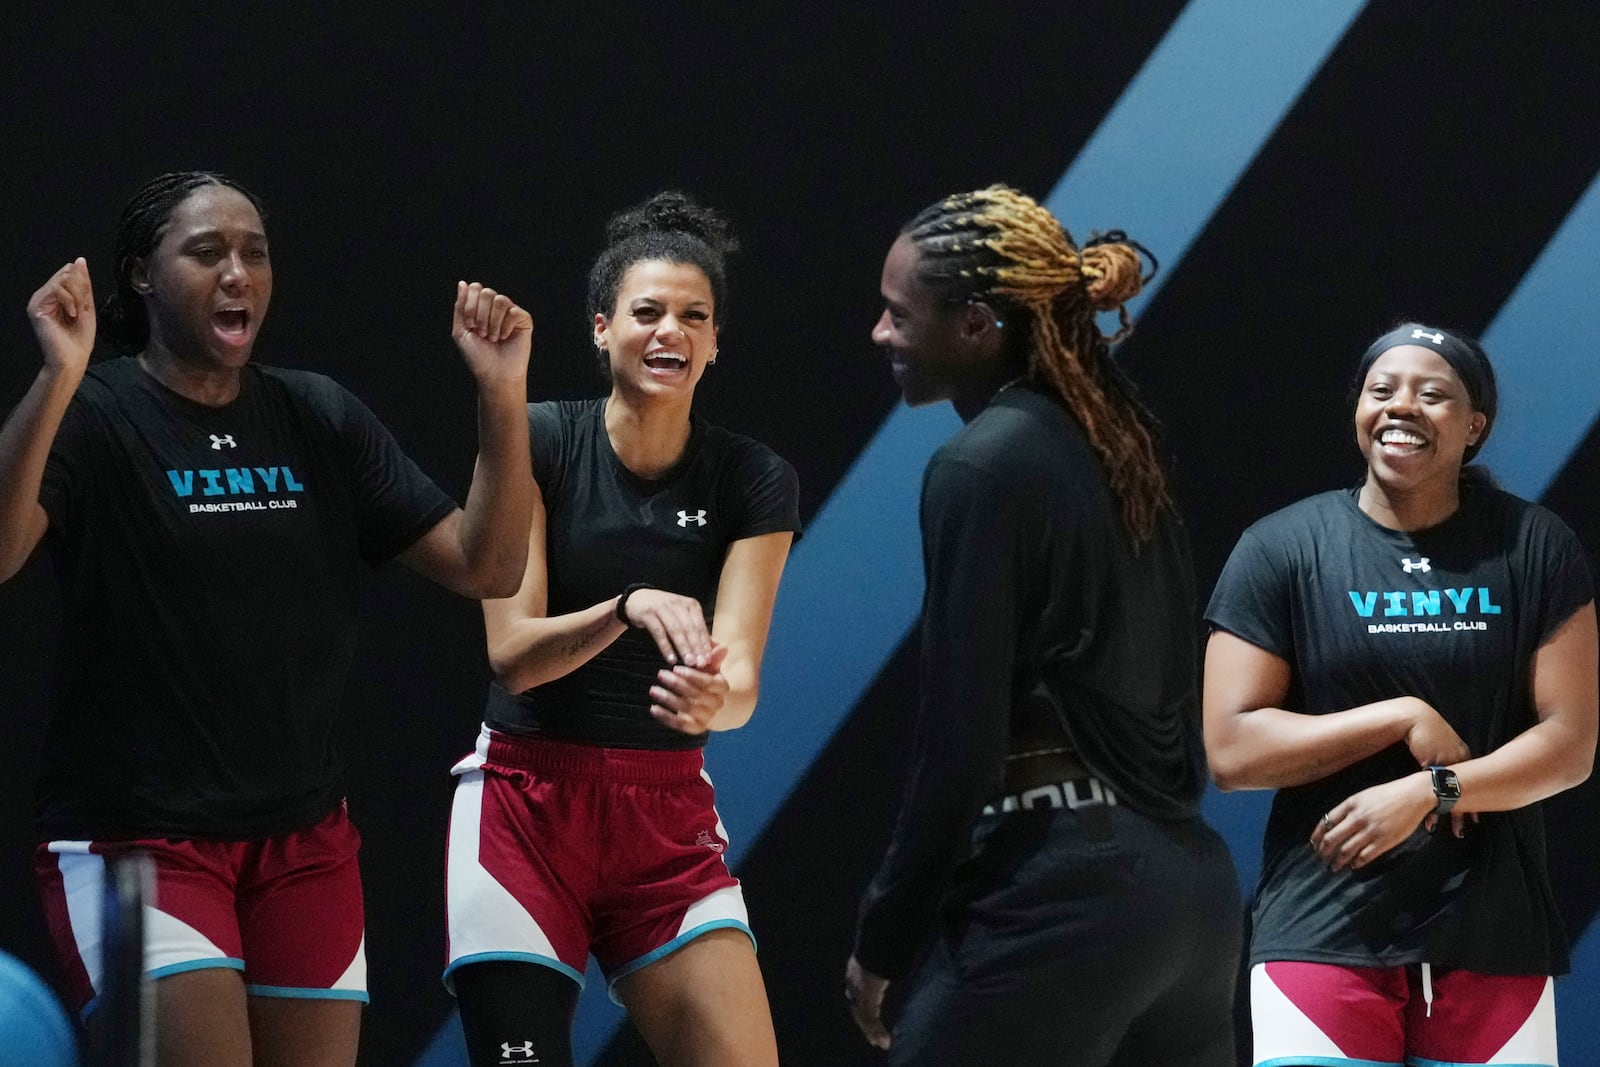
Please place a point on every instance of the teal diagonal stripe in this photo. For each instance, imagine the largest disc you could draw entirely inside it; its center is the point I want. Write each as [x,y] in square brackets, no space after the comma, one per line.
[1161,162]
[1544,342]
[1159,165]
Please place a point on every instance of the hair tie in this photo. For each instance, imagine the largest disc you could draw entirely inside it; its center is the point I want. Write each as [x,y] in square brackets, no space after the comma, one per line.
[1111,273]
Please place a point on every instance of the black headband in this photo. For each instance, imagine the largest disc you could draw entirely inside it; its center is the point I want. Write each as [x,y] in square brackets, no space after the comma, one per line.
[1463,354]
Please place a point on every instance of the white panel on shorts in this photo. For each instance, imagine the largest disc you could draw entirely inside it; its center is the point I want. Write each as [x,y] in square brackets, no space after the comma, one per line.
[484,919]
[479,754]
[1283,1033]
[723,906]
[83,883]
[354,977]
[722,831]
[721,909]
[170,944]
[1535,1041]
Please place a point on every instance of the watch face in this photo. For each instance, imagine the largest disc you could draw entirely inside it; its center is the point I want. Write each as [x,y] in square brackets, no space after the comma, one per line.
[1445,783]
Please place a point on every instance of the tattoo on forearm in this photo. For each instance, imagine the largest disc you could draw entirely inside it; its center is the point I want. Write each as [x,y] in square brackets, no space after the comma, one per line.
[580,641]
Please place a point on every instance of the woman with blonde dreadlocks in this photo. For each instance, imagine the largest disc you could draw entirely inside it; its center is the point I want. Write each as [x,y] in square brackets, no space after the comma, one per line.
[1050,894]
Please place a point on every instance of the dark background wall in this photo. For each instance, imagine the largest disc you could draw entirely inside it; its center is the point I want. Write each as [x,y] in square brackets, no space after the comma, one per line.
[1422,172]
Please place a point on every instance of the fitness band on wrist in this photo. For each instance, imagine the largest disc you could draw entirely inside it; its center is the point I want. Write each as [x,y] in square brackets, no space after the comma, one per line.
[622,604]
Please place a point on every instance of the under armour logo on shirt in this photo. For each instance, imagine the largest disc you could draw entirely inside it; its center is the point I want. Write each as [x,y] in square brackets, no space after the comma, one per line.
[1419,565]
[225,439]
[525,1050]
[1424,335]
[698,518]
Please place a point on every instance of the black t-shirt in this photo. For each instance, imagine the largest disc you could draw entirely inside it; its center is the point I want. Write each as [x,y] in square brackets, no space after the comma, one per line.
[209,560]
[605,529]
[1038,615]
[1453,615]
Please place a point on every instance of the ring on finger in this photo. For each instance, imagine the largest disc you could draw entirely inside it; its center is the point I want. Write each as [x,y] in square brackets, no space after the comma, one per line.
[1327,823]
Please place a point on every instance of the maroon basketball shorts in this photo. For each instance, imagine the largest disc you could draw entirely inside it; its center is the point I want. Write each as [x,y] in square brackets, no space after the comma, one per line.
[559,850]
[1376,1016]
[284,910]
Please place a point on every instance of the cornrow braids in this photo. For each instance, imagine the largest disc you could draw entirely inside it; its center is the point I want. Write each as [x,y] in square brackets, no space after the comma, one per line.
[144,219]
[1002,247]
[671,227]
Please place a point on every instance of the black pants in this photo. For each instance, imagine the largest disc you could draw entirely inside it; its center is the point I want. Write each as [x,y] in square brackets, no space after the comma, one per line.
[1081,938]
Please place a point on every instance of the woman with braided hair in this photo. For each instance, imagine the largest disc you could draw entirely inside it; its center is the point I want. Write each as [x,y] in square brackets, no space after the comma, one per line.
[1050,894]
[210,519]
[584,821]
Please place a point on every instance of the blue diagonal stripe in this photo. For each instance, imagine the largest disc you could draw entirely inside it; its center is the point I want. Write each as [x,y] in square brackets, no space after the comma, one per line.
[1543,343]
[1161,162]
[1159,166]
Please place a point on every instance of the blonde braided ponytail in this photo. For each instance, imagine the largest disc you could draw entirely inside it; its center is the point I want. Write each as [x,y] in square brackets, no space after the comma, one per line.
[1002,246]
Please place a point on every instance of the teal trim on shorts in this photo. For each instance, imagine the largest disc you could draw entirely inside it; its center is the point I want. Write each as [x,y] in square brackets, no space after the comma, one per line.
[516,957]
[674,945]
[227,962]
[1419,1061]
[1323,1061]
[291,992]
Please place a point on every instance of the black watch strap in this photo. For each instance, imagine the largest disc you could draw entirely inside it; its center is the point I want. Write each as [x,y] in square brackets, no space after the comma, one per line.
[622,604]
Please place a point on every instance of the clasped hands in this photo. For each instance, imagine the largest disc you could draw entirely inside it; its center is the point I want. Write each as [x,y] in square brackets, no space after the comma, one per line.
[691,689]
[1374,821]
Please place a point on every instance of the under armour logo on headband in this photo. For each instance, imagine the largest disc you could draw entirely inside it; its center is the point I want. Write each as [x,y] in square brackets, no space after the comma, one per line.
[1436,338]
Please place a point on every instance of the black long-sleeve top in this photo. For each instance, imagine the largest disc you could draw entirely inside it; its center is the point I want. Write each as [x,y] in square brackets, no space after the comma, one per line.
[1038,610]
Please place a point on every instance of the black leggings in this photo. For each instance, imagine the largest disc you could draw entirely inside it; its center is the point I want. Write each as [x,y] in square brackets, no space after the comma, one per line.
[1097,937]
[516,1012]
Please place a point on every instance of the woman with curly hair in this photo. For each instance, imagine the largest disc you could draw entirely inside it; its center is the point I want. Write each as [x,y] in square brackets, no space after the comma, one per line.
[584,821]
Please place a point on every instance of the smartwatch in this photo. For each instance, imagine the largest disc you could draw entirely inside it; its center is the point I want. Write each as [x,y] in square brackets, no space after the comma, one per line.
[1447,787]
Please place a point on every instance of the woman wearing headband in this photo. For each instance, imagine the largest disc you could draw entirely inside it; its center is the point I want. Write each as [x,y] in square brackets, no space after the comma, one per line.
[1411,663]
[1051,894]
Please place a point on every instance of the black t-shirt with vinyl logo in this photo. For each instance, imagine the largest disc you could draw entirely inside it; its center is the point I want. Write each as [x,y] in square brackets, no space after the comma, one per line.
[210,560]
[1454,615]
[605,529]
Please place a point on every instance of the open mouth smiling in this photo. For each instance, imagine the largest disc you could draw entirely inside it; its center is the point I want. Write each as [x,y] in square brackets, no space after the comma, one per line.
[1399,438]
[664,360]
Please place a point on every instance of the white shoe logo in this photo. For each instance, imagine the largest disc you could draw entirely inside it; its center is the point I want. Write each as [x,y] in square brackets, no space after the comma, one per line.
[1424,335]
[1419,565]
[705,840]
[698,518]
[225,439]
